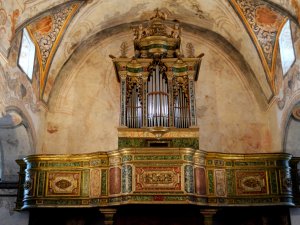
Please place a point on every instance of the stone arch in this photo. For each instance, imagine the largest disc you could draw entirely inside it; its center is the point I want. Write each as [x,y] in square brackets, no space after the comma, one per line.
[16,141]
[291,140]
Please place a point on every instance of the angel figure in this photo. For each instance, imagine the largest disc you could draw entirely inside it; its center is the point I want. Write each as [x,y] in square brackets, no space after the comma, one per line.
[139,32]
[176,32]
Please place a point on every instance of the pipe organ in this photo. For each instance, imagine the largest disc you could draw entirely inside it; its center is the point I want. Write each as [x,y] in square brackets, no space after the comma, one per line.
[157,84]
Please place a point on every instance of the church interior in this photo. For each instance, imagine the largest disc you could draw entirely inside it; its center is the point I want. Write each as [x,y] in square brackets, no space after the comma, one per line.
[162,112]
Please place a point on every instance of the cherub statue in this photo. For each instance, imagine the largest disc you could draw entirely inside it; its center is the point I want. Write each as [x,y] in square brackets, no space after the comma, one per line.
[176,32]
[139,32]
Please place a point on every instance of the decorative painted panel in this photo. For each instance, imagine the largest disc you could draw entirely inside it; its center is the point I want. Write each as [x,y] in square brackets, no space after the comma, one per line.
[157,175]
[62,183]
[158,178]
[251,182]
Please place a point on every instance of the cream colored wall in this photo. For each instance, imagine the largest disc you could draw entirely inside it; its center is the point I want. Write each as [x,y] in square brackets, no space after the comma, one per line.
[84,107]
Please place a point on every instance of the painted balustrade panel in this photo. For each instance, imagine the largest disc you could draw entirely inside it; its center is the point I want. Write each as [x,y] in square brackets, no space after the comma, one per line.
[155,176]
[261,179]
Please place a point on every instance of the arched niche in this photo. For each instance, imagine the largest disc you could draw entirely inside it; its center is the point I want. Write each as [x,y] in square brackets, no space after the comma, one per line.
[292,132]
[16,141]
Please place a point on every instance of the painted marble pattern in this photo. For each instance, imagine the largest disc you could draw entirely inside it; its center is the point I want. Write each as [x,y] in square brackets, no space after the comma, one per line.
[188,179]
[41,183]
[63,183]
[103,182]
[158,178]
[200,181]
[126,179]
[115,180]
[95,182]
[251,182]
[220,182]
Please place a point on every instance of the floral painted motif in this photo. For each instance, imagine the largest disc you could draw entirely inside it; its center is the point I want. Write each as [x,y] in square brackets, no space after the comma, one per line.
[264,23]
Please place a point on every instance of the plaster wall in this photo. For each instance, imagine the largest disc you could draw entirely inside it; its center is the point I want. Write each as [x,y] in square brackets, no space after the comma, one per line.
[295,216]
[84,115]
[8,215]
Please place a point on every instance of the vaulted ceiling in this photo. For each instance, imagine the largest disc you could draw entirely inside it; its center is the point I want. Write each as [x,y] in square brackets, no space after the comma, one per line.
[60,27]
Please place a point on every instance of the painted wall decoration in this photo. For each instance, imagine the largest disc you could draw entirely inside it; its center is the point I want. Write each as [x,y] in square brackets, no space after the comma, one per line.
[264,23]
[47,32]
[3,19]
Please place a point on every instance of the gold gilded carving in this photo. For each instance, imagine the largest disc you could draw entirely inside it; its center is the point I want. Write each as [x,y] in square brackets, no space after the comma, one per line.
[114,160]
[158,131]
[158,178]
[150,133]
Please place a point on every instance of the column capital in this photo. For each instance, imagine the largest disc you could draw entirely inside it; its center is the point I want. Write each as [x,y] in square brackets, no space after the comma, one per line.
[208,215]
[108,215]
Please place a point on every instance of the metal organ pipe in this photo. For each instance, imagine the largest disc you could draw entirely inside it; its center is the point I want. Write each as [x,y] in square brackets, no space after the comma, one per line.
[134,110]
[157,98]
[181,110]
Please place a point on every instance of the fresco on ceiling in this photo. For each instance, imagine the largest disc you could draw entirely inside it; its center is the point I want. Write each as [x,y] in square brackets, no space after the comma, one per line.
[47,32]
[13,14]
[264,24]
[8,21]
